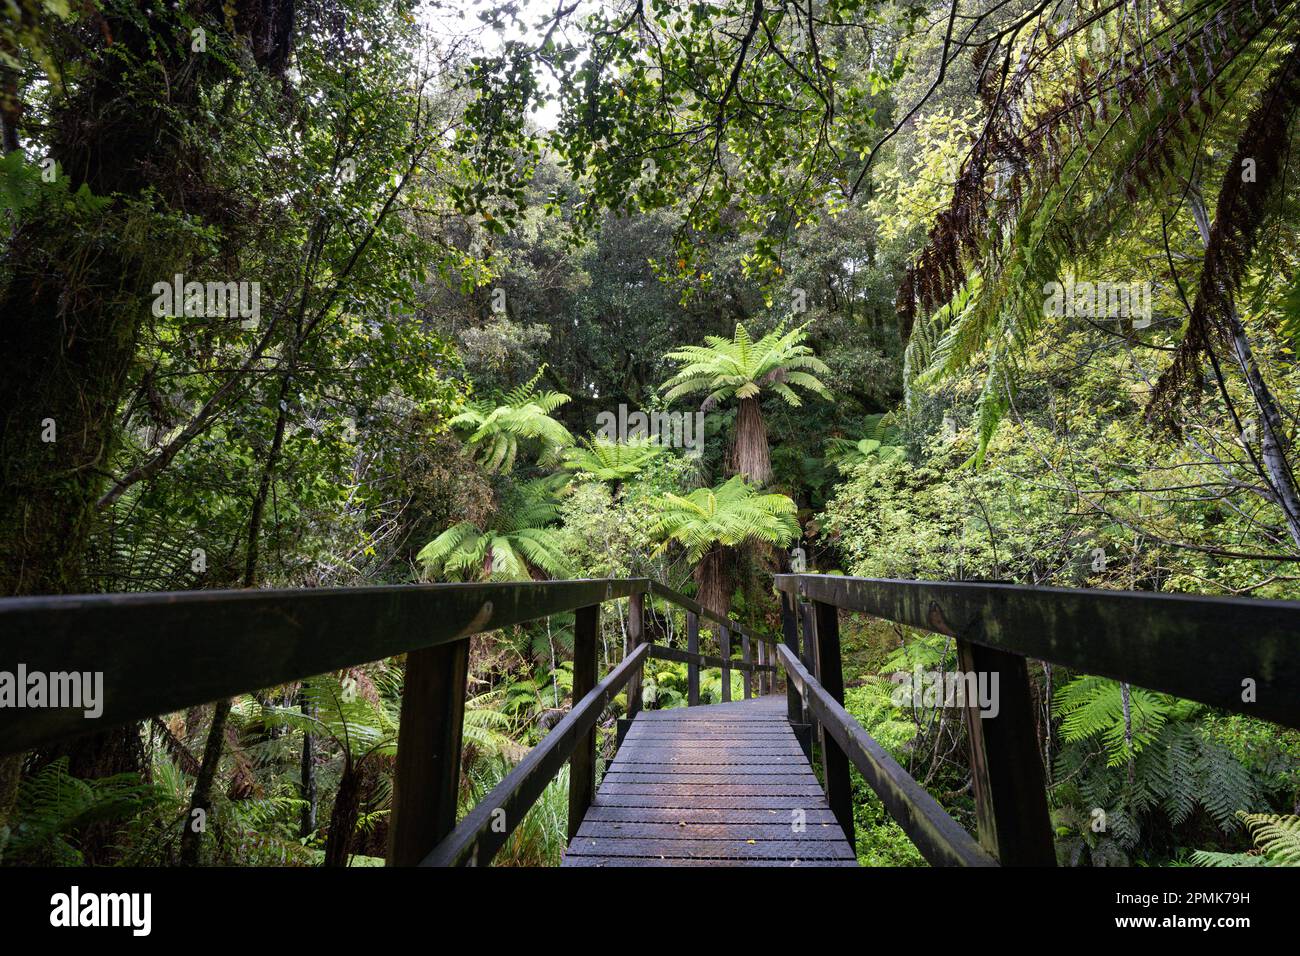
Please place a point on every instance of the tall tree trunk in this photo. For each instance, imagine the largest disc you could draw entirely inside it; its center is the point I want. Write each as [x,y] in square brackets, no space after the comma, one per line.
[76,295]
[11,108]
[201,799]
[749,455]
[1272,436]
[307,825]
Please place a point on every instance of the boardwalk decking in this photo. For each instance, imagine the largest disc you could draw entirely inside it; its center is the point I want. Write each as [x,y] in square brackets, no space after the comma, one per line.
[718,785]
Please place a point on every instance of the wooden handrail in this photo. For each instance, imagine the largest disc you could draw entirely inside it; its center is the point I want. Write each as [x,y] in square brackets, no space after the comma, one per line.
[1241,655]
[163,652]
[941,840]
[476,839]
[1200,648]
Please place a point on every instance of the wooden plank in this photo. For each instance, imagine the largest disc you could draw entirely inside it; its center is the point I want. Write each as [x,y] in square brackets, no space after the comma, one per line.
[163,652]
[711,849]
[691,770]
[735,718]
[667,775]
[839,787]
[715,758]
[721,790]
[582,763]
[475,840]
[745,794]
[940,839]
[761,721]
[426,780]
[709,831]
[1006,770]
[703,734]
[705,741]
[699,734]
[599,813]
[710,801]
[775,745]
[677,862]
[1167,642]
[765,743]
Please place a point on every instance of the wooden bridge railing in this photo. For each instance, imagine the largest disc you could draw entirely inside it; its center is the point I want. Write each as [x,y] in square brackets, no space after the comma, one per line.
[484,830]
[162,652]
[1239,654]
[159,653]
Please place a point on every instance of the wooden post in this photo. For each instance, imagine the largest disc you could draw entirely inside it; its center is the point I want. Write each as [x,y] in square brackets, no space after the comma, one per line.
[426,782]
[749,660]
[1006,772]
[582,765]
[693,665]
[635,635]
[724,643]
[809,658]
[830,674]
[790,631]
[761,652]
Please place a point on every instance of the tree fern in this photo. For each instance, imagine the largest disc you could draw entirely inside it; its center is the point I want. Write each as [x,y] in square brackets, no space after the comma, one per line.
[729,514]
[1052,179]
[1094,707]
[1277,843]
[496,427]
[613,461]
[519,544]
[879,443]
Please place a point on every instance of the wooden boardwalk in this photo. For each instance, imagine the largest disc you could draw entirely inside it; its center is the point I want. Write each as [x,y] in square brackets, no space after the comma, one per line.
[718,785]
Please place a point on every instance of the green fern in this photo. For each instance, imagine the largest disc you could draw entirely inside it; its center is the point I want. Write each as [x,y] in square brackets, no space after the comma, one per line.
[497,427]
[742,368]
[729,514]
[517,546]
[879,443]
[614,461]
[1277,843]
[55,808]
[1094,707]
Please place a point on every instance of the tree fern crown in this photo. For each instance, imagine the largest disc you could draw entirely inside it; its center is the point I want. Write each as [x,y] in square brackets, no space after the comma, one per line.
[742,368]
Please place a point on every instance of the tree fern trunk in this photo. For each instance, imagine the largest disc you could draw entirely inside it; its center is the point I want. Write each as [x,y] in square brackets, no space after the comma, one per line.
[343,818]
[307,825]
[749,455]
[713,579]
